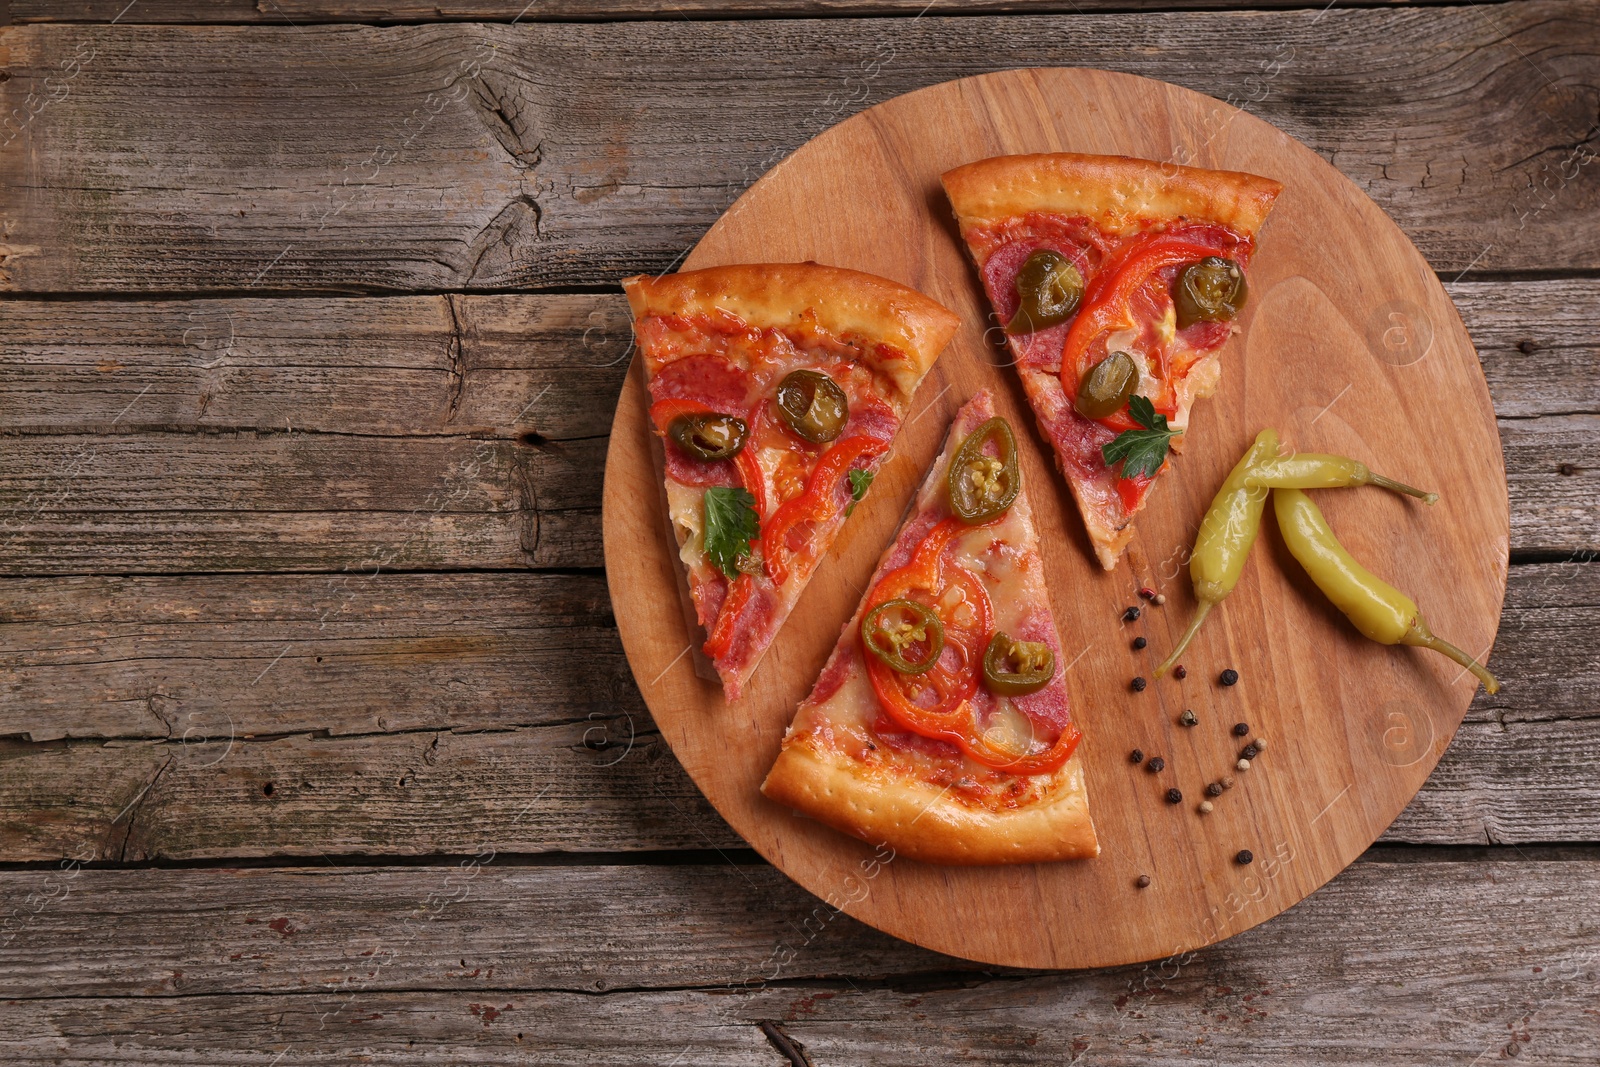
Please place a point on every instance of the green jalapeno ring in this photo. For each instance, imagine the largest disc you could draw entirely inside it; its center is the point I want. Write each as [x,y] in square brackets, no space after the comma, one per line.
[1212,290]
[708,435]
[925,627]
[1013,668]
[982,487]
[1106,387]
[813,405]
[1049,287]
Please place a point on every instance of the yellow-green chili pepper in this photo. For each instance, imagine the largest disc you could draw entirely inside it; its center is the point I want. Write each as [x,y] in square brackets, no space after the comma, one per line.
[1378,609]
[1316,470]
[1226,534]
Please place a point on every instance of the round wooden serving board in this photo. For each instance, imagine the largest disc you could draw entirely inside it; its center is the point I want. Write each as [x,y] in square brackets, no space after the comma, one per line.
[1350,345]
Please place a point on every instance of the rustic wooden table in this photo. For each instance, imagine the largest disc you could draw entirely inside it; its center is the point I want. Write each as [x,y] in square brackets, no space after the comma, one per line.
[318,740]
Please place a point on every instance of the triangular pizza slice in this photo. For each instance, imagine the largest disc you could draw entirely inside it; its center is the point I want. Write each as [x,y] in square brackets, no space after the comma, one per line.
[940,726]
[1117,281]
[776,390]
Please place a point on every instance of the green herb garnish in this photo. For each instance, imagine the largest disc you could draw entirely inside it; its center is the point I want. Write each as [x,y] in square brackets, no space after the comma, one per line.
[731,524]
[859,482]
[1141,451]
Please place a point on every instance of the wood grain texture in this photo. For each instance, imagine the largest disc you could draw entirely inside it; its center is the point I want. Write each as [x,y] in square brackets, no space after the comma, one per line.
[402,967]
[153,440]
[312,11]
[387,367]
[605,784]
[491,156]
[1320,358]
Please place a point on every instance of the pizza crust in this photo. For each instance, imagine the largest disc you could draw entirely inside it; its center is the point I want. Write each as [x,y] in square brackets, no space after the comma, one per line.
[1119,194]
[925,823]
[844,302]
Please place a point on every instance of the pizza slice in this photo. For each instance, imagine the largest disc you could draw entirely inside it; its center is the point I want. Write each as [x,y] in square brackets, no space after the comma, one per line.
[940,726]
[776,390]
[1117,280]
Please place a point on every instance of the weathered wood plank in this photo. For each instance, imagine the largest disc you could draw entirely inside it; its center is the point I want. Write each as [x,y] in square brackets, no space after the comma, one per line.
[400,366]
[512,364]
[1414,978]
[264,501]
[598,784]
[252,655]
[495,156]
[311,11]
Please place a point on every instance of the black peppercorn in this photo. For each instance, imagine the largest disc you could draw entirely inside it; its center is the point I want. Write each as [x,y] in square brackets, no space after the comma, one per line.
[1250,752]
[1245,856]
[1136,756]
[1139,684]
[1131,614]
[1187,718]
[1229,676]
[1143,881]
[1214,789]
[1157,764]
[1180,672]
[1240,729]
[1174,796]
[1139,642]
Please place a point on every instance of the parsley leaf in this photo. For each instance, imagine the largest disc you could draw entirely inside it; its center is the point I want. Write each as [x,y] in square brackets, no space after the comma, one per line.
[1141,451]
[859,482]
[731,524]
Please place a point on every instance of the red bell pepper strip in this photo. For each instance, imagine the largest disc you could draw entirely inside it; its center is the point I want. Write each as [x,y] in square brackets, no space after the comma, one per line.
[817,503]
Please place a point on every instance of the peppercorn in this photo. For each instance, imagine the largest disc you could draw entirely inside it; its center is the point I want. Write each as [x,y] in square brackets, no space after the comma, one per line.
[1139,684]
[1143,881]
[1131,614]
[1229,676]
[1147,593]
[1174,796]
[1241,729]
[1157,764]
[1161,598]
[1180,672]
[1260,743]
[1139,642]
[1136,756]
[1187,718]
[1214,789]
[1206,807]
[1250,752]
[1245,856]
[1243,764]
[1227,781]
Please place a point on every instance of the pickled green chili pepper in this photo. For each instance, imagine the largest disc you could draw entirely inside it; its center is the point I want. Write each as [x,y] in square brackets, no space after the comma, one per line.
[1013,668]
[1316,470]
[1048,290]
[982,486]
[1106,387]
[895,627]
[708,435]
[813,405]
[1212,290]
[1226,534]
[1378,609]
